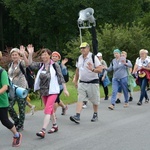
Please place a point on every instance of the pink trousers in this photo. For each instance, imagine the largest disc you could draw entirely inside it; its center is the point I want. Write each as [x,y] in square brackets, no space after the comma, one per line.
[49,103]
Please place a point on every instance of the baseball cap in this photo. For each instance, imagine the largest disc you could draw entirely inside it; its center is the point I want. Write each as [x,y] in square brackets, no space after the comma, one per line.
[84,44]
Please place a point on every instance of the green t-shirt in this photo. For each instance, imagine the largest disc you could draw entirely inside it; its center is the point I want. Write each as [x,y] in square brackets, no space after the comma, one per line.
[4,96]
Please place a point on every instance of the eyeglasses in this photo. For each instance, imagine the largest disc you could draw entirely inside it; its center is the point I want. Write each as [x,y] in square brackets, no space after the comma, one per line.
[83,48]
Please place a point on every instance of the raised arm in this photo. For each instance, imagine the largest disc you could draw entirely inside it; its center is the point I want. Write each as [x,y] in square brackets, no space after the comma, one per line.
[30,49]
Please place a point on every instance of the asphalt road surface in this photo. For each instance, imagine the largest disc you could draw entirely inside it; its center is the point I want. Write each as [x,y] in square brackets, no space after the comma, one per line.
[119,129]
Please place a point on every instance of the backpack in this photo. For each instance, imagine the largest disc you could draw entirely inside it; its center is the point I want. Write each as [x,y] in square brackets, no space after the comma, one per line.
[65,73]
[29,75]
[13,90]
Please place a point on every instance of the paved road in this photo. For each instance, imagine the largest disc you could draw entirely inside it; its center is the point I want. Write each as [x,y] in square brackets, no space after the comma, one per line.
[121,129]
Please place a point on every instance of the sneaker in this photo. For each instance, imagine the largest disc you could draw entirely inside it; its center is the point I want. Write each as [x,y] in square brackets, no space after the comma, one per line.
[118,101]
[146,100]
[139,103]
[125,105]
[32,110]
[84,106]
[64,110]
[53,129]
[75,119]
[19,128]
[41,134]
[95,118]
[17,140]
[106,98]
[130,99]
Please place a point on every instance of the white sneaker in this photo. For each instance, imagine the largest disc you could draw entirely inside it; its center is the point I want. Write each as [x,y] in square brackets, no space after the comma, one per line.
[84,106]
[32,110]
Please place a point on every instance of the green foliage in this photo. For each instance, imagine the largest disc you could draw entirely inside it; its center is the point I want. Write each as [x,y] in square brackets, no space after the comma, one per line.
[130,38]
[53,24]
[127,38]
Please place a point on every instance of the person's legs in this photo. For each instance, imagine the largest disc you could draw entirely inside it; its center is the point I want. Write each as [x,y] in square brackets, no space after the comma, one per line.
[82,96]
[8,124]
[21,106]
[119,95]
[105,88]
[94,97]
[124,85]
[115,85]
[106,92]
[49,111]
[143,84]
[64,107]
[32,107]
[12,112]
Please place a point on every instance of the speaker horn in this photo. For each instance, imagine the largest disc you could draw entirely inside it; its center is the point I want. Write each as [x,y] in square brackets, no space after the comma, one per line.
[86,15]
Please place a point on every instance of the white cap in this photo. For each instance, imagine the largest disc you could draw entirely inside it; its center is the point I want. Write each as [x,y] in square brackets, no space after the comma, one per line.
[99,54]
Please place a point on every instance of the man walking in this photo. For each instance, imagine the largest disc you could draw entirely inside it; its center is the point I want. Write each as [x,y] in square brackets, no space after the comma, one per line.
[88,67]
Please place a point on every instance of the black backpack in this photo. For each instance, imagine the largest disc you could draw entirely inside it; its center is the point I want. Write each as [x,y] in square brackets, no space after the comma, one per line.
[29,75]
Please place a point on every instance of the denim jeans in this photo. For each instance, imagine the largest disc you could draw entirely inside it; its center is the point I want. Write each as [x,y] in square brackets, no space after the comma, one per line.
[143,84]
[123,83]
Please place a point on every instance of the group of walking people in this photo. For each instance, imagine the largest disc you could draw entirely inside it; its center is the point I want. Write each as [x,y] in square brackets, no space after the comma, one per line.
[91,70]
[49,82]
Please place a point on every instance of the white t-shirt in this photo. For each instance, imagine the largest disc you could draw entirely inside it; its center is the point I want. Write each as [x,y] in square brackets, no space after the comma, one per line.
[84,73]
[139,62]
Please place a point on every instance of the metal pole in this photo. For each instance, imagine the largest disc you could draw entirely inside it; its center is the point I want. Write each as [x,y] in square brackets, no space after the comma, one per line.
[80,35]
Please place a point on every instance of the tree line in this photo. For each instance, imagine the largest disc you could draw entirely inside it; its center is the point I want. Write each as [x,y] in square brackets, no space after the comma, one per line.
[121,24]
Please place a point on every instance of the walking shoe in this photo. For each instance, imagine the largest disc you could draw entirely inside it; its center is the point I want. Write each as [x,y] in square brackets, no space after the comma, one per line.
[146,100]
[84,106]
[95,118]
[19,128]
[17,140]
[125,105]
[75,119]
[148,88]
[106,98]
[130,99]
[139,103]
[64,110]
[32,110]
[111,107]
[118,101]
[53,129]
[41,134]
